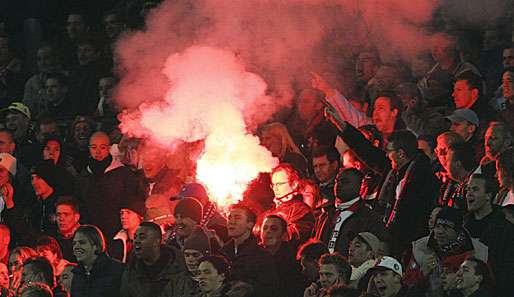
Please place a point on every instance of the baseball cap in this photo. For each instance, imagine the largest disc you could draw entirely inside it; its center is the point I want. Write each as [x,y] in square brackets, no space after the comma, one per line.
[464,114]
[18,107]
[370,239]
[192,190]
[388,263]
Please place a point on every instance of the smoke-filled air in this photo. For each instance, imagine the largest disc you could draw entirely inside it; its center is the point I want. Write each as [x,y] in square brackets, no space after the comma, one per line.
[215,70]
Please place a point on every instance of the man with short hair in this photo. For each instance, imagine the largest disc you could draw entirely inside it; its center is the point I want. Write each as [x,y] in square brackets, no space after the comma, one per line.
[350,215]
[408,185]
[333,270]
[326,162]
[474,279]
[155,269]
[58,102]
[106,179]
[274,239]
[498,138]
[250,262]
[481,216]
[67,217]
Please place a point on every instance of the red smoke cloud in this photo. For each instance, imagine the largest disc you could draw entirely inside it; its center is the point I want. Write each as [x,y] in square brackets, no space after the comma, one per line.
[216,69]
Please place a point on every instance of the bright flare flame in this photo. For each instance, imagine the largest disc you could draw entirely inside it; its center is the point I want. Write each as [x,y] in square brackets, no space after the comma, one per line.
[210,97]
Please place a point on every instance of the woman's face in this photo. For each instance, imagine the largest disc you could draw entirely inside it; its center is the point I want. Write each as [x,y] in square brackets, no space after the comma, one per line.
[272,142]
[52,151]
[209,279]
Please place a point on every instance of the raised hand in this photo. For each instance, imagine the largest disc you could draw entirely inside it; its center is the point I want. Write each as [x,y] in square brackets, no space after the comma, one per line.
[319,83]
[333,116]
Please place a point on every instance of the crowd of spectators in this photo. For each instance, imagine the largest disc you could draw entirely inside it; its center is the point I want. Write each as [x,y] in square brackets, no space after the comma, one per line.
[403,186]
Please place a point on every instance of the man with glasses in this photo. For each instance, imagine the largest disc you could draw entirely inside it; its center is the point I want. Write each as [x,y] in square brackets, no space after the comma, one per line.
[289,204]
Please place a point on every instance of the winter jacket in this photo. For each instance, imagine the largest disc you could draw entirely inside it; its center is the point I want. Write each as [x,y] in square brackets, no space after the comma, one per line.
[415,189]
[101,195]
[362,220]
[171,280]
[253,265]
[102,281]
[298,215]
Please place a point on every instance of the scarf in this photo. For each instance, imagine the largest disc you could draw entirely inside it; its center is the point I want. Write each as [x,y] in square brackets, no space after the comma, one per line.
[346,210]
[98,167]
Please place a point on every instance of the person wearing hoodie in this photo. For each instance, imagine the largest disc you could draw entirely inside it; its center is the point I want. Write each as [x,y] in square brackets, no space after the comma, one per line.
[104,185]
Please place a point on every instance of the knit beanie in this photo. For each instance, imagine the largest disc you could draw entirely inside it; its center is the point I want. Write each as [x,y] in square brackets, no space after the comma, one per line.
[189,208]
[198,241]
[450,217]
[136,205]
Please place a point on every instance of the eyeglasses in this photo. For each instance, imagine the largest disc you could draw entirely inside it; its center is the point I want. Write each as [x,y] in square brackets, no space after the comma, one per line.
[279,184]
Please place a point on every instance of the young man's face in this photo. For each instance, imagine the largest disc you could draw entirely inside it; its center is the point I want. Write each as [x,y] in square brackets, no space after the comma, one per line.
[324,169]
[466,277]
[384,116]
[238,223]
[386,282]
[272,233]
[67,218]
[463,95]
[281,184]
[476,195]
[359,252]
[329,276]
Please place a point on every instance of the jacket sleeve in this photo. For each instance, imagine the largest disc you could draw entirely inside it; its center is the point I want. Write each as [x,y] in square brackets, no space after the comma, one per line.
[373,157]
[347,112]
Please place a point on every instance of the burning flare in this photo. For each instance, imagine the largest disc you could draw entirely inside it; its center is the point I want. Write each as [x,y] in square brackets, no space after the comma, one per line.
[209,98]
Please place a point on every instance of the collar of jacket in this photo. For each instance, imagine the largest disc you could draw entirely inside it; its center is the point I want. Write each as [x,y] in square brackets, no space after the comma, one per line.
[101,261]
[246,247]
[174,266]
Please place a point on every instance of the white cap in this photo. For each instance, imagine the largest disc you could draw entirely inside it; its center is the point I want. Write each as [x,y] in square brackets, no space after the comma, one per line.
[389,263]
[8,162]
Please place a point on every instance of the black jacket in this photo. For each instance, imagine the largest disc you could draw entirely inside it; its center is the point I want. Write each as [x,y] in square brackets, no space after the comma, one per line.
[362,220]
[104,280]
[416,196]
[253,265]
[101,196]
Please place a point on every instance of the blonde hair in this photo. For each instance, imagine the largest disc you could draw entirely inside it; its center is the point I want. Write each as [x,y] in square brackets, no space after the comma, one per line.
[287,142]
